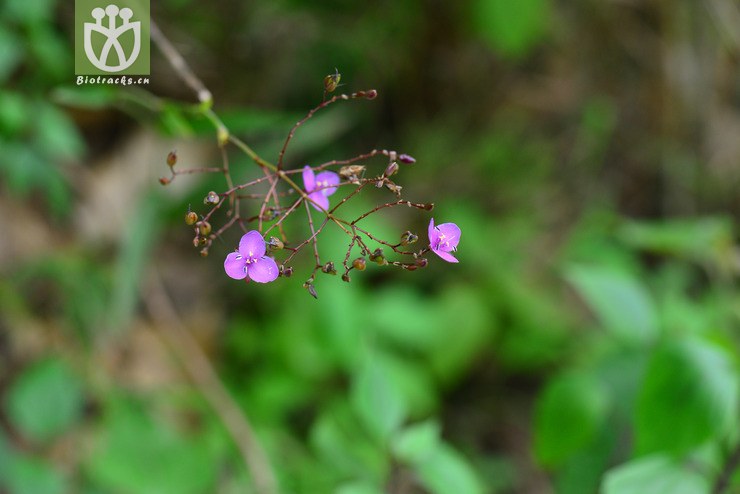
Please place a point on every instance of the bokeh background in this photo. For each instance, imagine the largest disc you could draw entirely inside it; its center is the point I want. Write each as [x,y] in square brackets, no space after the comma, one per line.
[586,342]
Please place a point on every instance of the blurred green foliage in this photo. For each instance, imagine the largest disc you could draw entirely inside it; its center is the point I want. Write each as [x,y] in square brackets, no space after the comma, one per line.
[578,347]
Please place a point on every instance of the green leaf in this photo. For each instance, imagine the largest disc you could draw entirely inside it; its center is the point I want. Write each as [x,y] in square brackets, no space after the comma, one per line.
[416,442]
[56,134]
[133,453]
[445,471]
[14,111]
[338,436]
[689,396]
[11,54]
[360,487]
[45,401]
[620,302]
[377,399]
[139,237]
[699,239]
[656,475]
[569,413]
[511,27]
[27,475]
[29,11]
[90,97]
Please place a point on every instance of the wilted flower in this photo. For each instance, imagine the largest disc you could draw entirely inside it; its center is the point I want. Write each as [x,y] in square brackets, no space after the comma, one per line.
[319,187]
[443,239]
[251,260]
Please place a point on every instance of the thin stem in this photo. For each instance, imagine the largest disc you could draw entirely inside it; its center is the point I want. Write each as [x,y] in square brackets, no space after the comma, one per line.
[732,463]
[313,236]
[178,63]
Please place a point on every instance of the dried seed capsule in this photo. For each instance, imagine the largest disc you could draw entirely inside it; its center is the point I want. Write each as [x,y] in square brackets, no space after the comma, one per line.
[328,268]
[274,243]
[191,218]
[287,272]
[172,158]
[204,228]
[396,189]
[359,264]
[408,238]
[346,278]
[352,173]
[331,82]
[211,198]
[378,257]
[422,262]
[204,252]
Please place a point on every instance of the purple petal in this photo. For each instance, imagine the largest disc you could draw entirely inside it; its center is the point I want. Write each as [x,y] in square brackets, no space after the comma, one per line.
[320,200]
[234,266]
[252,245]
[309,182]
[444,255]
[327,178]
[263,270]
[451,232]
[433,234]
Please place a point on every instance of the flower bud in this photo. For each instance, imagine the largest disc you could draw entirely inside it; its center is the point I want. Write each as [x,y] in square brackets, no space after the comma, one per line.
[346,278]
[422,262]
[191,218]
[171,158]
[204,252]
[391,169]
[211,198]
[164,180]
[274,243]
[196,241]
[328,268]
[372,94]
[406,159]
[308,285]
[286,271]
[410,267]
[408,238]
[204,228]
[331,82]
[359,264]
[428,207]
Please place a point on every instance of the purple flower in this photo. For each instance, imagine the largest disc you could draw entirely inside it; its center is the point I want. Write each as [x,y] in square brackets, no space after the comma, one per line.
[251,260]
[443,239]
[319,187]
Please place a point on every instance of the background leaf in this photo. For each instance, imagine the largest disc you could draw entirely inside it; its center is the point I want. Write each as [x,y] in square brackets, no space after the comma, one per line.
[45,401]
[654,474]
[620,302]
[689,395]
[569,413]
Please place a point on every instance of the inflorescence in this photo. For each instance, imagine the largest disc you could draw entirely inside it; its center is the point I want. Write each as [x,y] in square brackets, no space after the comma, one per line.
[266,251]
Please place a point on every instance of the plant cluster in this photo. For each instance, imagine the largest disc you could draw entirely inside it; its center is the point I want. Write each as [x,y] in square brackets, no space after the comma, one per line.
[261,206]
